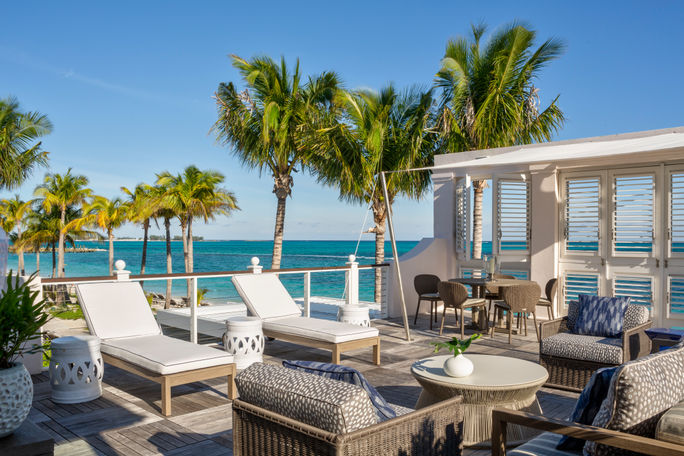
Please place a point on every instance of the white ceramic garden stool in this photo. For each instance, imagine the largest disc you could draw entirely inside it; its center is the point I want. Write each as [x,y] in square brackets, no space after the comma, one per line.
[76,369]
[244,339]
[355,315]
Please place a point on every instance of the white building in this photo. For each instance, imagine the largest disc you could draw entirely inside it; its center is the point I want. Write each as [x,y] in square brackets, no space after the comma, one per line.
[605,215]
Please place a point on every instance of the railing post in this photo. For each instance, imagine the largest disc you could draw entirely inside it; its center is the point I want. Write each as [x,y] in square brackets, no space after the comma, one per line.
[254,267]
[122,274]
[352,276]
[384,309]
[193,310]
[307,294]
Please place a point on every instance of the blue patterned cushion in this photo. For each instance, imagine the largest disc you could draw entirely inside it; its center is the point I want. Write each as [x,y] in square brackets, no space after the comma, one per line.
[600,316]
[347,375]
[588,405]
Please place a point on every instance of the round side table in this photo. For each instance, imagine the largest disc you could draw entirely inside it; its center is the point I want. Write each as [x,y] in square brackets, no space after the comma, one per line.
[76,369]
[354,315]
[244,339]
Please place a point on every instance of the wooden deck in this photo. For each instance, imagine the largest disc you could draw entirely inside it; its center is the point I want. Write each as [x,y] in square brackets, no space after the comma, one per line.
[126,420]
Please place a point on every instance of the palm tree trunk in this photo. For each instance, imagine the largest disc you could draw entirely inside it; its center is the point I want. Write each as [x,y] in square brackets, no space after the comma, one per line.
[379,216]
[478,191]
[184,235]
[110,235]
[20,254]
[38,260]
[60,247]
[146,229]
[169,262]
[278,233]
[53,260]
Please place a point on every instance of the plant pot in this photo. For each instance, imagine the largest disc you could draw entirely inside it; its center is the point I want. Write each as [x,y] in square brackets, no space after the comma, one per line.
[16,396]
[458,366]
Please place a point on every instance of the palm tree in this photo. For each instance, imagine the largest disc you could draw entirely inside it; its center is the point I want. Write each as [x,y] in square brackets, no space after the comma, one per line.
[141,210]
[13,212]
[20,154]
[263,123]
[158,201]
[374,132]
[106,215]
[63,191]
[489,98]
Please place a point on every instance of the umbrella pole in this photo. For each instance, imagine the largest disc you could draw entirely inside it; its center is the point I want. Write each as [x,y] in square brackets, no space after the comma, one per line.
[396,257]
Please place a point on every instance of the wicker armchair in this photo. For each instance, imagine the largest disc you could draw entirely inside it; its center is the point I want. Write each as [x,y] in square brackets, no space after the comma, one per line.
[573,374]
[433,430]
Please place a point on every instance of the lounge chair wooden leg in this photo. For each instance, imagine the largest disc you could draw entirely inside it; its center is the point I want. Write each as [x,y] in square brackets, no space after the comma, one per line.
[336,354]
[232,392]
[441,327]
[376,353]
[415,319]
[166,397]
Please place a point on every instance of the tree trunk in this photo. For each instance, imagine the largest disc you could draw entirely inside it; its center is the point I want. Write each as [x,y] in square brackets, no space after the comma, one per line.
[478,190]
[146,229]
[20,253]
[379,217]
[190,266]
[54,267]
[60,247]
[169,262]
[186,228]
[278,233]
[38,260]
[110,236]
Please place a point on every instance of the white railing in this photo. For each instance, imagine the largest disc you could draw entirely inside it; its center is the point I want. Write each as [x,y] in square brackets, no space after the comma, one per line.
[351,270]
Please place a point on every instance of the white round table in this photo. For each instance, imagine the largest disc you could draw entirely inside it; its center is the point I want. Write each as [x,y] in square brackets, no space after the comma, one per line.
[76,369]
[354,315]
[244,339]
[496,381]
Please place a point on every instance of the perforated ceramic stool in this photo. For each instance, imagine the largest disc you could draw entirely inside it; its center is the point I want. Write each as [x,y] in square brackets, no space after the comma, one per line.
[244,339]
[76,369]
[354,315]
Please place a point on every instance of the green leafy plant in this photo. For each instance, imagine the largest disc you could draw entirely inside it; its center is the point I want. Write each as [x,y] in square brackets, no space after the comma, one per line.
[455,345]
[22,314]
[201,293]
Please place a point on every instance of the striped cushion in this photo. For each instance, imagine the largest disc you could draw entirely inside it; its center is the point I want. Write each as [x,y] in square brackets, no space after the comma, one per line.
[670,427]
[543,445]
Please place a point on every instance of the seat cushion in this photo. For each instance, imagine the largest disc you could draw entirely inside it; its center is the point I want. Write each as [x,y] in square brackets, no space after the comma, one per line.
[265,296]
[606,350]
[641,391]
[542,445]
[164,355]
[116,309]
[670,427]
[327,404]
[600,315]
[348,375]
[319,329]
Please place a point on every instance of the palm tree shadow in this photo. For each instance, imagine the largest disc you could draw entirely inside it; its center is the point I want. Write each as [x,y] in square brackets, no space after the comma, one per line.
[425,442]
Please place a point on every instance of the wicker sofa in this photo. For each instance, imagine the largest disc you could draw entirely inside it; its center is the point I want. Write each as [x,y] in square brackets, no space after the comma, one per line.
[286,412]
[572,358]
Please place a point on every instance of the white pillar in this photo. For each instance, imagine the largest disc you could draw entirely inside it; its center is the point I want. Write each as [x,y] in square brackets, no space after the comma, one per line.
[352,281]
[120,273]
[193,310]
[254,267]
[307,294]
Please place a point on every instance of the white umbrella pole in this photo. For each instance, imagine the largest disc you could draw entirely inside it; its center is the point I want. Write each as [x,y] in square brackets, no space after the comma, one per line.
[396,257]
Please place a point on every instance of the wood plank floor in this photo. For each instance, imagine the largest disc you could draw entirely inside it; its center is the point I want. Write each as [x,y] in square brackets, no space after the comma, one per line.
[126,419]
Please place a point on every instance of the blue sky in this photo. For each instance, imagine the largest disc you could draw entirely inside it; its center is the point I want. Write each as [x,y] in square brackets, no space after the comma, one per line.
[128,85]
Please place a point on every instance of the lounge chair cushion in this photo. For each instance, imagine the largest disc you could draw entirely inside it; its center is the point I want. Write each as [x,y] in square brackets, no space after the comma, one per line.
[600,315]
[116,309]
[542,445]
[164,355]
[670,427]
[265,296]
[641,391]
[319,329]
[348,375]
[606,350]
[327,404]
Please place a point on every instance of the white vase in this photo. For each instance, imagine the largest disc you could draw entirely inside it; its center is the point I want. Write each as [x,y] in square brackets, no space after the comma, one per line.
[458,366]
[16,396]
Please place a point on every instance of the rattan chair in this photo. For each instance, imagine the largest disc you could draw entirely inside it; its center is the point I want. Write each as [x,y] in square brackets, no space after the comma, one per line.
[549,301]
[426,287]
[519,299]
[455,296]
[493,293]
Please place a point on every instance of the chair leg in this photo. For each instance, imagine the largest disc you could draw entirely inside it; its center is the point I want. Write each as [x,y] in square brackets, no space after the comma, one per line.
[166,396]
[536,328]
[462,325]
[436,311]
[432,312]
[336,355]
[493,323]
[376,353]
[510,327]
[415,319]
[524,317]
[441,327]
[232,391]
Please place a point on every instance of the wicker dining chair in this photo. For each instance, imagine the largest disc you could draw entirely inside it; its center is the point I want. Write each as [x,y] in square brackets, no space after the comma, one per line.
[519,299]
[455,296]
[426,287]
[549,301]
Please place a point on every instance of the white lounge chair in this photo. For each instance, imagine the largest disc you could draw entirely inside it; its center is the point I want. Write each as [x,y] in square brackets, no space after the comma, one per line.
[266,297]
[118,313]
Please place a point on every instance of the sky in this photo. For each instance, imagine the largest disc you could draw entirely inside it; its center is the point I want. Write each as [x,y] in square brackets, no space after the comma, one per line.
[129,85]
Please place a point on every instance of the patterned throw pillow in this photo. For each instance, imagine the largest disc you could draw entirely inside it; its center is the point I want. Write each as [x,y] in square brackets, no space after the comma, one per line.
[600,316]
[588,405]
[573,312]
[347,375]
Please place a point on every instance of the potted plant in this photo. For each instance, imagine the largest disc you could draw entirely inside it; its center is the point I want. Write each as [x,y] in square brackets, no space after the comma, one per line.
[22,314]
[457,365]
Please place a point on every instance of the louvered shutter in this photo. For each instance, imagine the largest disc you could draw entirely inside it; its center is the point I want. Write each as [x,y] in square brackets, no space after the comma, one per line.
[581,217]
[461,216]
[513,215]
[675,296]
[676,221]
[638,288]
[577,283]
[633,214]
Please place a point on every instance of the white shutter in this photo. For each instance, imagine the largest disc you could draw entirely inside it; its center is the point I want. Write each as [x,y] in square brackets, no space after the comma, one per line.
[638,288]
[513,215]
[581,218]
[676,228]
[675,296]
[633,214]
[461,216]
[577,283]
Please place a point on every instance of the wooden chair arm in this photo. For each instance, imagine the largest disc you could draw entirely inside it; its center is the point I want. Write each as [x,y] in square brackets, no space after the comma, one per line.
[635,342]
[622,440]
